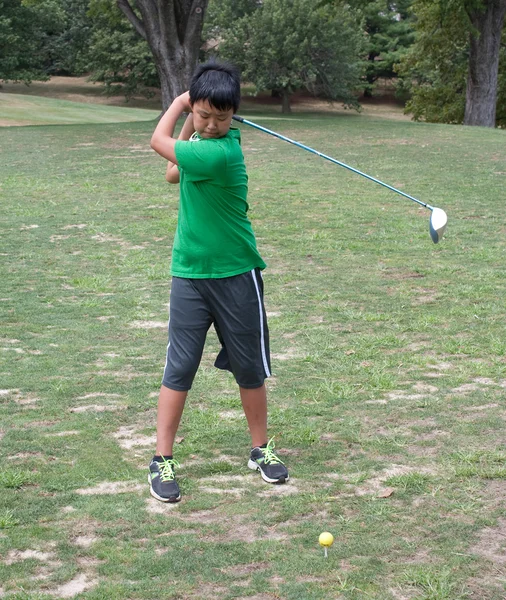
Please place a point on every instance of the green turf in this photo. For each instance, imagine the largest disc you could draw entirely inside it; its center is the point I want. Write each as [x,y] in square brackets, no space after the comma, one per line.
[18,109]
[388,354]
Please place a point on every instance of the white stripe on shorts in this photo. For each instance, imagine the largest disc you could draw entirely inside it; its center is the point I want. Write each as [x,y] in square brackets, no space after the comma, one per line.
[167,351]
[261,313]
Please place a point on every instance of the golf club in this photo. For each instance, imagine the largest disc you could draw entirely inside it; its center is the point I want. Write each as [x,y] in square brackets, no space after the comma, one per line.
[438,218]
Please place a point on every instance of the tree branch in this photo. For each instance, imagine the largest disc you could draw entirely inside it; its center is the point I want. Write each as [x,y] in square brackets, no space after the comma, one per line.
[128,11]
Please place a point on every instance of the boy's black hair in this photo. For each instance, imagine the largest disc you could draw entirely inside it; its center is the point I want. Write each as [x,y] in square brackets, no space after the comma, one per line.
[217,82]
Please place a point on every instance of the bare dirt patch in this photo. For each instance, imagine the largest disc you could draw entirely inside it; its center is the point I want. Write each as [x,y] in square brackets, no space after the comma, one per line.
[78,585]
[148,324]
[485,381]
[112,487]
[494,493]
[19,397]
[425,296]
[465,388]
[425,388]
[107,238]
[401,594]
[85,541]
[28,455]
[220,458]
[491,544]
[484,587]
[128,438]
[290,354]
[97,408]
[285,489]
[233,528]
[480,407]
[98,395]
[15,556]
[402,395]
[244,570]
[260,597]
[375,484]
[237,492]
[232,415]
[155,507]
[209,591]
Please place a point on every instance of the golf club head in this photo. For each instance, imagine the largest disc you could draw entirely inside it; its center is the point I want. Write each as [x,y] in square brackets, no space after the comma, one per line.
[437,224]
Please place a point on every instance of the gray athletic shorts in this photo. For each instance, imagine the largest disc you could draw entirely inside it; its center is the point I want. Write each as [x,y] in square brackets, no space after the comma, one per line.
[234,305]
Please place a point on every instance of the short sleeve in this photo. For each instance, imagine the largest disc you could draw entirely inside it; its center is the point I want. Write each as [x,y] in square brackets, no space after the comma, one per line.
[200,160]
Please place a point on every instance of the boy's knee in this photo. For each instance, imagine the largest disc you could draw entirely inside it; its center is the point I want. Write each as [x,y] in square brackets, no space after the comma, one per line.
[179,373]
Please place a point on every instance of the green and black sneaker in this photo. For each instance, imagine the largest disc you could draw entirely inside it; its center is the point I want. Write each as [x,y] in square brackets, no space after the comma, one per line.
[162,480]
[271,467]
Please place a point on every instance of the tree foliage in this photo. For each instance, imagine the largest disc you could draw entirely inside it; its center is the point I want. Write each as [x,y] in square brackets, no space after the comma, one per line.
[389,28]
[67,45]
[22,41]
[435,70]
[222,15]
[287,45]
[117,55]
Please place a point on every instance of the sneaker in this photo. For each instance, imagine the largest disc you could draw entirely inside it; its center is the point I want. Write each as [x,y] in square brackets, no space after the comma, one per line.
[271,467]
[162,480]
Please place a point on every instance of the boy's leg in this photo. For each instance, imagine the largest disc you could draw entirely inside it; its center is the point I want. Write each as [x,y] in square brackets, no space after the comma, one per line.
[254,402]
[241,324]
[262,457]
[189,321]
[170,409]
[162,477]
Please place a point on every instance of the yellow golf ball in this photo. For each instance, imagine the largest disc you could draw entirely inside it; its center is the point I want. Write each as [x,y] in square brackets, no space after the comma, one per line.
[326,539]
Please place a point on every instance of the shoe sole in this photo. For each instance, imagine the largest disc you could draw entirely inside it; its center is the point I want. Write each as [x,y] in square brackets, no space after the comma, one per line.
[254,467]
[155,495]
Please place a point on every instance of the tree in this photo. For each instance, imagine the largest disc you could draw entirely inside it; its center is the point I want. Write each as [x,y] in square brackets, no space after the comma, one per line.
[389,29]
[450,81]
[117,55]
[21,42]
[287,45]
[67,45]
[172,29]
[222,15]
[487,20]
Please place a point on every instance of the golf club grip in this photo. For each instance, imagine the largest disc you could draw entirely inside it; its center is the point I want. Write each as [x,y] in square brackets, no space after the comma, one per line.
[333,160]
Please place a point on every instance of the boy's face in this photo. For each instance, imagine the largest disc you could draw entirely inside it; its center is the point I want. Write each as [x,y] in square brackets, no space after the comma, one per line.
[209,122]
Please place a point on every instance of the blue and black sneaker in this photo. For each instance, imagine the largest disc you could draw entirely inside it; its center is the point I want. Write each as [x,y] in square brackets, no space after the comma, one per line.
[162,480]
[271,467]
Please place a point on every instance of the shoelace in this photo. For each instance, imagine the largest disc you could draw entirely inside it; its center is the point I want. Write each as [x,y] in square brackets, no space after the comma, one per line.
[270,457]
[167,469]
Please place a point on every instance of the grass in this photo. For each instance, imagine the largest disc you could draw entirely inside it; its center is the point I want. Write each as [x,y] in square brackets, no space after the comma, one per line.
[20,109]
[387,399]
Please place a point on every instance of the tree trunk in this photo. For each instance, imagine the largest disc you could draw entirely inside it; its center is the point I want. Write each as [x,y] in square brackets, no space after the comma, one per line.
[173,31]
[481,94]
[285,106]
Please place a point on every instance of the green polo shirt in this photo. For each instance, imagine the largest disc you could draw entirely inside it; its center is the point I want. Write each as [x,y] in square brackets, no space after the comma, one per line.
[214,237]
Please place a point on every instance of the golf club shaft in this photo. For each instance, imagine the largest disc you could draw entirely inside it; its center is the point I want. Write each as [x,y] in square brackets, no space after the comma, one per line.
[333,160]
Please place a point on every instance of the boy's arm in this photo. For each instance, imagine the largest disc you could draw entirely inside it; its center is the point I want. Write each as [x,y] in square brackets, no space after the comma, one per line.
[162,140]
[172,174]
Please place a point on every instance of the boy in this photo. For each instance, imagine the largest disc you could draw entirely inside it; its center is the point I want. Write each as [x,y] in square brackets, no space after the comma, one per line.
[215,270]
